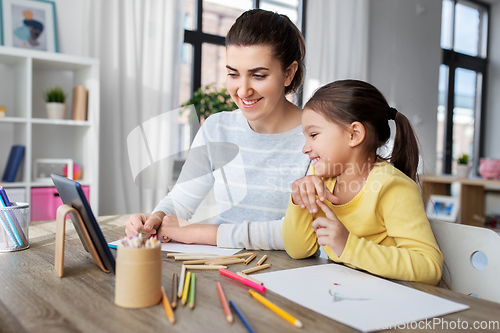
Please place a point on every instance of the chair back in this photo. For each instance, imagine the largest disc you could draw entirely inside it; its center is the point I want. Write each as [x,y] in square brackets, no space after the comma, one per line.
[466,270]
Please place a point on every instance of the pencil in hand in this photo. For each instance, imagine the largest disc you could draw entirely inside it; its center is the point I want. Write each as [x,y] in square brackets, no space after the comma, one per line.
[225,305]
[279,311]
[166,304]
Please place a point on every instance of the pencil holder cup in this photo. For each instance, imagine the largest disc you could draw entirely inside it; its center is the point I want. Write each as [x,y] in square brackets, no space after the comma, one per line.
[138,277]
[14,222]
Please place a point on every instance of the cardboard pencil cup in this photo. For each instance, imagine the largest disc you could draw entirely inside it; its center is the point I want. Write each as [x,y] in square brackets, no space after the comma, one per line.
[138,277]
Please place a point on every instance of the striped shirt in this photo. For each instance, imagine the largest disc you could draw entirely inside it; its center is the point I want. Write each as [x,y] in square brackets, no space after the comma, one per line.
[251,174]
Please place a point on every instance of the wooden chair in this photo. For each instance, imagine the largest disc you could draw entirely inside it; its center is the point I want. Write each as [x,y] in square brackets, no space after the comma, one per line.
[466,269]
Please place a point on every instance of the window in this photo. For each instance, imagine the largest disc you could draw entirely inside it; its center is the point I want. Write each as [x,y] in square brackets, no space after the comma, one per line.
[462,87]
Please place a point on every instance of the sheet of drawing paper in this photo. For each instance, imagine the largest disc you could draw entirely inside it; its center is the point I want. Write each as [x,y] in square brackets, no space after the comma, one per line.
[354,298]
[193,248]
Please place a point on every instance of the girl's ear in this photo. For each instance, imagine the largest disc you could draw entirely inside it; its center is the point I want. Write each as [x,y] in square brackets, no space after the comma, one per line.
[358,133]
[290,73]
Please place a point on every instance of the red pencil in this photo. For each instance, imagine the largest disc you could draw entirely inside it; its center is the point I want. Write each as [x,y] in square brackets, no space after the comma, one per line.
[247,282]
[225,305]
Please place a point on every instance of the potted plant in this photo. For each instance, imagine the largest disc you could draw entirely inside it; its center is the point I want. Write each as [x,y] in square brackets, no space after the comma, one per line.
[208,100]
[54,98]
[463,166]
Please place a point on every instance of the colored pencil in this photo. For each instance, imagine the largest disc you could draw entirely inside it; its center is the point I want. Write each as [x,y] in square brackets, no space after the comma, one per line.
[186,288]
[246,282]
[243,275]
[261,261]
[191,292]
[242,317]
[181,281]
[174,290]
[255,269]
[227,262]
[166,305]
[204,267]
[279,311]
[225,305]
[252,257]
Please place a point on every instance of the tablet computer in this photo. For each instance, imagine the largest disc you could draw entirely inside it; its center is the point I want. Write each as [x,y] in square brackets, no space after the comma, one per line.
[71,194]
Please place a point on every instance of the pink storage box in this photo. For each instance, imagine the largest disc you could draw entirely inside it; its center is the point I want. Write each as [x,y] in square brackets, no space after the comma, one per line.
[45,201]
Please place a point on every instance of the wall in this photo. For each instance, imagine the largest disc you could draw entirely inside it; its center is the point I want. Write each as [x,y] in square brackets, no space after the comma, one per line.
[71,26]
[405,55]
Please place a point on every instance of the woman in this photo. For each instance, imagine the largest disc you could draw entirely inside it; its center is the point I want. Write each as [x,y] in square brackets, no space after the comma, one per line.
[265,62]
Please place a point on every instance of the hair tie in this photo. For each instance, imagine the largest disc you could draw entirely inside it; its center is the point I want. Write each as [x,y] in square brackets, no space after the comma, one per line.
[391,113]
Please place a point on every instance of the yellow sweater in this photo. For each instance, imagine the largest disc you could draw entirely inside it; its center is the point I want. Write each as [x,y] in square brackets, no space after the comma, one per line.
[389,233]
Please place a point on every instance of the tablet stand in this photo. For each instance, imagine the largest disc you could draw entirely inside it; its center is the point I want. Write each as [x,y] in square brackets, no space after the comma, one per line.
[62,211]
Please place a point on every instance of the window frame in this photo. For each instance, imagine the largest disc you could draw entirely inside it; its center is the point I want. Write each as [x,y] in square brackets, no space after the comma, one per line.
[453,60]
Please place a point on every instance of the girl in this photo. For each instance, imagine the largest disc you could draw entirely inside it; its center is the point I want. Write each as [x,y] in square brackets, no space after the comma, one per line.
[265,62]
[371,213]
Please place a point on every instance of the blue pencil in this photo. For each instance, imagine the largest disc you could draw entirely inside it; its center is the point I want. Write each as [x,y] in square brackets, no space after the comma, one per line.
[242,317]
[8,225]
[6,202]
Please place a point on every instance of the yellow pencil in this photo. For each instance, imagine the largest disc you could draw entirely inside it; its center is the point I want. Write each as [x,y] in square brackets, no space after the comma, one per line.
[168,308]
[186,288]
[252,257]
[279,311]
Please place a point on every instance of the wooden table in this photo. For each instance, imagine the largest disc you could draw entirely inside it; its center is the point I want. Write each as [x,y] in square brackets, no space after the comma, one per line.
[34,299]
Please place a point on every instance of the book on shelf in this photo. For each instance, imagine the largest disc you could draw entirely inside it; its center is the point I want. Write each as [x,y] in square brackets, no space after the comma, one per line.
[79,103]
[15,158]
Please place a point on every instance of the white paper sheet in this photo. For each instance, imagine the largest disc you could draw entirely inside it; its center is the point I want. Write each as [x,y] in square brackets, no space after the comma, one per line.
[192,248]
[356,299]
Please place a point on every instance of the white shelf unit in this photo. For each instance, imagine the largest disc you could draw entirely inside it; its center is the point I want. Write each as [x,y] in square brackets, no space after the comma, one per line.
[24,76]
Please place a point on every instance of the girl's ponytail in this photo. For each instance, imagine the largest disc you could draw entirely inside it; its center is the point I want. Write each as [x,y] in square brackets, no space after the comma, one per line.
[405,153]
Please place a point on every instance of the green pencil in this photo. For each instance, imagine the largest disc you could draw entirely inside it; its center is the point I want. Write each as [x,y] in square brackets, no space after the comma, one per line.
[191,292]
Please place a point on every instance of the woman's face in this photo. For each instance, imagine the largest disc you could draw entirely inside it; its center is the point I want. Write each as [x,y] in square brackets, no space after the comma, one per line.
[256,81]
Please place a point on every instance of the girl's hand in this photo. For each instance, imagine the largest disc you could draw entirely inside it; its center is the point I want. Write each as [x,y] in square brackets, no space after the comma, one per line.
[329,230]
[305,190]
[142,223]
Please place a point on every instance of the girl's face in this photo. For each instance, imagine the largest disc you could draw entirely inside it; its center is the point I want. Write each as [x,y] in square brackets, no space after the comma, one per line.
[327,144]
[256,81]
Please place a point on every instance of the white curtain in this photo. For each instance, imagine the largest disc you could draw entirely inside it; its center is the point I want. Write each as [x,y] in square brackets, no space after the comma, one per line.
[337,42]
[138,43]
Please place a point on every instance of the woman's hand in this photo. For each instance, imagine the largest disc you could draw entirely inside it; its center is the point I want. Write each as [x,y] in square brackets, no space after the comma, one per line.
[329,230]
[147,225]
[180,230]
[305,190]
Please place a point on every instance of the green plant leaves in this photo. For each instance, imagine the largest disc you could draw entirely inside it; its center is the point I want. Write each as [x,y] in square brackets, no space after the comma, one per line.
[208,100]
[55,95]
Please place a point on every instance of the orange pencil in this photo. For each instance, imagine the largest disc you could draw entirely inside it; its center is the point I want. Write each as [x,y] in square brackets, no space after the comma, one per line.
[168,309]
[225,305]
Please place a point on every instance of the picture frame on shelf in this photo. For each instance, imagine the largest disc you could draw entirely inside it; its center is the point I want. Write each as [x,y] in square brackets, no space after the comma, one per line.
[44,167]
[29,24]
[442,208]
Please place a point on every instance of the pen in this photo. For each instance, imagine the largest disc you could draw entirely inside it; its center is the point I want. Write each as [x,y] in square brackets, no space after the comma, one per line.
[279,311]
[242,317]
[166,304]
